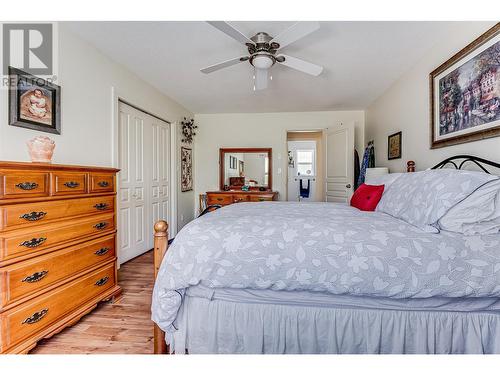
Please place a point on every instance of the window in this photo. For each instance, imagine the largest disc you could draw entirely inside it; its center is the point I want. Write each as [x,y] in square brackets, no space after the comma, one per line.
[305,163]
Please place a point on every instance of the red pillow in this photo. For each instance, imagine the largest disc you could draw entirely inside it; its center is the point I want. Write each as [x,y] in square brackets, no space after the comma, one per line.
[366,197]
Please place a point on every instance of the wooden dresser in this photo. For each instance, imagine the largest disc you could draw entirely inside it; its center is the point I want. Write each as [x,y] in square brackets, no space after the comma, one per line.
[57,248]
[225,198]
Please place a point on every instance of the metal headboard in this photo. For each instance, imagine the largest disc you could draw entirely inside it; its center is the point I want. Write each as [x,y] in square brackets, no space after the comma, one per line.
[467,158]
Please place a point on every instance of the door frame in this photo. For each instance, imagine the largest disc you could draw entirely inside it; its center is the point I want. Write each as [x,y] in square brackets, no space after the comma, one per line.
[285,159]
[116,98]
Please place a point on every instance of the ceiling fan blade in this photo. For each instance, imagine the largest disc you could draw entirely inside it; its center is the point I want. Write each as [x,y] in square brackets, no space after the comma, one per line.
[224,64]
[295,32]
[260,79]
[302,65]
[229,30]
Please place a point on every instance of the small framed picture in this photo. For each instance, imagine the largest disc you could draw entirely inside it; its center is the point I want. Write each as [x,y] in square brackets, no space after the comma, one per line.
[394,146]
[34,103]
[186,169]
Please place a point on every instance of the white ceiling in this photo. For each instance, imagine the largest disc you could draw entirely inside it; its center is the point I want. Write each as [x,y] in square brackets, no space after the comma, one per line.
[360,59]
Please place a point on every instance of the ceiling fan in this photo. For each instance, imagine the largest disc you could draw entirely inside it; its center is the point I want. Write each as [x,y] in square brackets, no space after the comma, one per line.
[264,51]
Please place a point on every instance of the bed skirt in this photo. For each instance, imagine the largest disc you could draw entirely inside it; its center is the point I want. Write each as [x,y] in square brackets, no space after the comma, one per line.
[216,326]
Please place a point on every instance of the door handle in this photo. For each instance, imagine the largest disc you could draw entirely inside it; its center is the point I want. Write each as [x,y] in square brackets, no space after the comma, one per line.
[348,186]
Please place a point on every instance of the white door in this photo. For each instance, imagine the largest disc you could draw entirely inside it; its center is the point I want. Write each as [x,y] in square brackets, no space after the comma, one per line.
[143,179]
[339,163]
[160,193]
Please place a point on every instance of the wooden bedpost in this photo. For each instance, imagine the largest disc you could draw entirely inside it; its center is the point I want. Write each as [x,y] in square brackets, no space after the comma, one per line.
[160,248]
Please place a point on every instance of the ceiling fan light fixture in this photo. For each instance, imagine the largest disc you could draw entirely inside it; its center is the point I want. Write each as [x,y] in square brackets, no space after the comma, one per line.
[264,51]
[262,61]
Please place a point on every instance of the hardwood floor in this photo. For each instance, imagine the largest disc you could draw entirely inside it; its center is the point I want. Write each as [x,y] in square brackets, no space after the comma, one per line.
[124,327]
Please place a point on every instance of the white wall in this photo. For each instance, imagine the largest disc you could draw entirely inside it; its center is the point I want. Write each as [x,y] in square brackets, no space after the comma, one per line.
[405,106]
[86,78]
[259,130]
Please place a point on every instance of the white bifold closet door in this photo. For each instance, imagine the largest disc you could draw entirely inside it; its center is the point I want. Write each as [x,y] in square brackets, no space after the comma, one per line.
[143,187]
[339,163]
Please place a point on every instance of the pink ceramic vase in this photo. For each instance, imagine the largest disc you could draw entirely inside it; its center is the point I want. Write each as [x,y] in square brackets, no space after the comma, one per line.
[41,149]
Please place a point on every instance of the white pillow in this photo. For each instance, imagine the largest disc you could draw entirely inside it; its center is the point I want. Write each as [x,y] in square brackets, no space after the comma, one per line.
[386,180]
[479,213]
[423,198]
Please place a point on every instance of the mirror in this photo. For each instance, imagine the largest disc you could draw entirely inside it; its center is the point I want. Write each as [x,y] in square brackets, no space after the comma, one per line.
[246,167]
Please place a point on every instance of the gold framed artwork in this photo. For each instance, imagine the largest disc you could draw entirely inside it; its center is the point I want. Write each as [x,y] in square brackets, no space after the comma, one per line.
[465,93]
[394,146]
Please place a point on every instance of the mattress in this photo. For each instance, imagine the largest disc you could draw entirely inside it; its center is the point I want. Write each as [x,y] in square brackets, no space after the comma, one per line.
[318,299]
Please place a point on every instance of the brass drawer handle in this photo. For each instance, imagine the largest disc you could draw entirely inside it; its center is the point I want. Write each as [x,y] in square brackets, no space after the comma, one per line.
[33,216]
[37,276]
[103,183]
[102,251]
[102,281]
[101,206]
[27,185]
[262,199]
[71,184]
[101,225]
[34,242]
[36,317]
[220,199]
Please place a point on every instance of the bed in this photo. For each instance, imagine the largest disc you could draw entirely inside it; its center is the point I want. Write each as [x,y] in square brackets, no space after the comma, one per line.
[283,277]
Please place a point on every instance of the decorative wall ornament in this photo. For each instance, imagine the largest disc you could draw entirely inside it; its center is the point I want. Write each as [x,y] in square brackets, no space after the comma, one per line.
[41,149]
[186,169]
[188,130]
[465,93]
[34,103]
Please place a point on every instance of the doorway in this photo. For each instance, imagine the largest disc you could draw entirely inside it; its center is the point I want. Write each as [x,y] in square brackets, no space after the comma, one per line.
[305,182]
[144,179]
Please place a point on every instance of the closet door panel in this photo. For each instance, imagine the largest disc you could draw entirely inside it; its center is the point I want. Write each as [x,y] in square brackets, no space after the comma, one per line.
[160,170]
[133,217]
[125,178]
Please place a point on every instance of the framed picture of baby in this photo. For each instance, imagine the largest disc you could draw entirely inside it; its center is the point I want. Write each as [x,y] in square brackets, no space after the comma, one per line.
[34,103]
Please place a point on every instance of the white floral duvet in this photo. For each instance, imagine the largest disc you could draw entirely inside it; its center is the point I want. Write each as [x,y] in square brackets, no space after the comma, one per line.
[322,247]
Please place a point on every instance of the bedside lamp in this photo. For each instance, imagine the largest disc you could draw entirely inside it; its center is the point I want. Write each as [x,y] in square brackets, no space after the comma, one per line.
[372,173]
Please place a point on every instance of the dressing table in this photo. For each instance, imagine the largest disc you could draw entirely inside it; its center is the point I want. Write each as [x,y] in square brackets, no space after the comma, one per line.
[241,169]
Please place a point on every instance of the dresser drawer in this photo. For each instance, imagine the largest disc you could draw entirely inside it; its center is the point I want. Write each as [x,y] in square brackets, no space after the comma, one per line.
[237,198]
[67,183]
[222,199]
[24,184]
[27,215]
[37,314]
[25,278]
[261,198]
[29,241]
[101,182]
